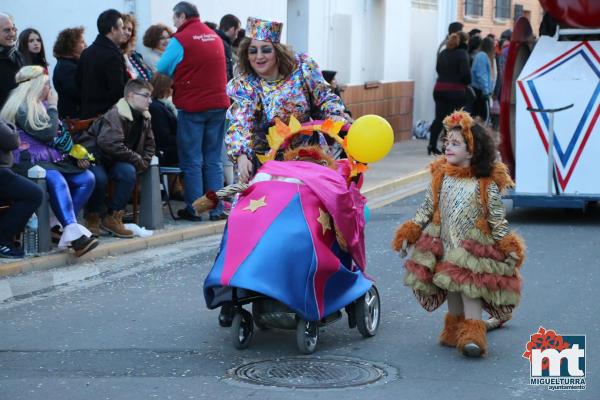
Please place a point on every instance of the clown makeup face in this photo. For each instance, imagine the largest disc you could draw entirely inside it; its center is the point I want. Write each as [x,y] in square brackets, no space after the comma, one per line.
[456,149]
[263,60]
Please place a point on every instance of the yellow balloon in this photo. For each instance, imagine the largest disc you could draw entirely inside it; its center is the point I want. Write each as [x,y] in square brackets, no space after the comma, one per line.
[370,138]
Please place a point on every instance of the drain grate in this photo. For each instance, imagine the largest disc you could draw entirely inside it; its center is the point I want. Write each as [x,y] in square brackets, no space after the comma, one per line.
[309,373]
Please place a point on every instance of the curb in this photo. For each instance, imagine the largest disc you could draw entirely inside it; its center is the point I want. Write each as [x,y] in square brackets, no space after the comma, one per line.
[110,249]
[380,195]
[395,185]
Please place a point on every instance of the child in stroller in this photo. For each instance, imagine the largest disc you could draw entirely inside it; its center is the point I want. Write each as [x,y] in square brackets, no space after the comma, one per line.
[294,248]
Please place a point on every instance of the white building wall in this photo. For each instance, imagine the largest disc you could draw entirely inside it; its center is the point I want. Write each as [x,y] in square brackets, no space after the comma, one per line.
[297,25]
[335,37]
[422,61]
[364,40]
[398,40]
[212,10]
[428,27]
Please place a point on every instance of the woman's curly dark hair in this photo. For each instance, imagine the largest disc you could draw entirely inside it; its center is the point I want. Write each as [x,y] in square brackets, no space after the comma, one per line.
[67,41]
[485,153]
[153,35]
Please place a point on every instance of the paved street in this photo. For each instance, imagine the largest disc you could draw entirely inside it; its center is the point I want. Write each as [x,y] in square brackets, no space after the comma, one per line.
[140,329]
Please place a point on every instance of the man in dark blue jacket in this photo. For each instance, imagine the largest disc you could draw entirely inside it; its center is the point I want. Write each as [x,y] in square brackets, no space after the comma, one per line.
[228,30]
[101,73]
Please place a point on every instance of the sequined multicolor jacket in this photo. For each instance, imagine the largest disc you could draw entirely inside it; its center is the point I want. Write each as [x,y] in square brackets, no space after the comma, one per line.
[256,103]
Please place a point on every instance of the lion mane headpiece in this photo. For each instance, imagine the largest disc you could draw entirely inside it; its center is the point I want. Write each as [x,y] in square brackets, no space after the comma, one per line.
[462,120]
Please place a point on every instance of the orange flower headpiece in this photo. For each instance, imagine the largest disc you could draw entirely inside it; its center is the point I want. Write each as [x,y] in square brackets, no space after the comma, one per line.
[280,133]
[463,120]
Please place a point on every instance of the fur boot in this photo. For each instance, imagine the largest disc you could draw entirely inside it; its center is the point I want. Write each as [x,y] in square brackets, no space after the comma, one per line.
[449,335]
[472,339]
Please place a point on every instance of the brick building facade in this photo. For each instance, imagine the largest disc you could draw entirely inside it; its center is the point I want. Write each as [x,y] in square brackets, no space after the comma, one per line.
[495,16]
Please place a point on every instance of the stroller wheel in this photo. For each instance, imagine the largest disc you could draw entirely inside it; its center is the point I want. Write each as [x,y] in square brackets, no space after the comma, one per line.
[367,312]
[242,329]
[307,336]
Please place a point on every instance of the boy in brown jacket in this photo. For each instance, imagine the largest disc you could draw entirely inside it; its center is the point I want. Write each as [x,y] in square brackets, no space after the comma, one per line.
[125,145]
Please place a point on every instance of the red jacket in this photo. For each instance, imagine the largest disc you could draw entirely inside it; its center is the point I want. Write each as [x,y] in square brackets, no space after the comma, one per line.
[200,78]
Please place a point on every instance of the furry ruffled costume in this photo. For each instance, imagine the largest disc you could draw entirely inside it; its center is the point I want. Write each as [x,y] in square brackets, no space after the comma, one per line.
[462,242]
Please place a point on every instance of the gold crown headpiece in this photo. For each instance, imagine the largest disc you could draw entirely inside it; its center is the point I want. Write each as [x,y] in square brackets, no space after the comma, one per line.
[280,133]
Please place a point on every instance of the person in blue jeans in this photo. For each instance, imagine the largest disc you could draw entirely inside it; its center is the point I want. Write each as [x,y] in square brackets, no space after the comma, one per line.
[21,195]
[483,78]
[199,73]
[124,143]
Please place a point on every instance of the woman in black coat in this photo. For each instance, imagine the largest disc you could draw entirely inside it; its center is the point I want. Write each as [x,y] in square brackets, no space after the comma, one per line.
[67,49]
[450,90]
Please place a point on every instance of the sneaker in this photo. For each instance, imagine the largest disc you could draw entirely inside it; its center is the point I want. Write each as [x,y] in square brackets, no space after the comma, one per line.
[11,252]
[113,223]
[185,214]
[55,233]
[84,245]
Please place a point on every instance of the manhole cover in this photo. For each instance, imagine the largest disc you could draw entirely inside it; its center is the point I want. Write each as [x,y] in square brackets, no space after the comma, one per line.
[310,373]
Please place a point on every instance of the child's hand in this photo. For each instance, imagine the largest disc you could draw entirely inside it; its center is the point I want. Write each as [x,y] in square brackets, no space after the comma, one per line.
[52,98]
[83,164]
[404,249]
[513,259]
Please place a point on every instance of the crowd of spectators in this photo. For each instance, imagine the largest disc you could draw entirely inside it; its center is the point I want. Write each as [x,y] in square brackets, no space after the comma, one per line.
[470,70]
[170,104]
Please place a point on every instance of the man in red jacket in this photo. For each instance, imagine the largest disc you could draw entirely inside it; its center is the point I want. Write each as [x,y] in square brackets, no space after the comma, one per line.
[195,59]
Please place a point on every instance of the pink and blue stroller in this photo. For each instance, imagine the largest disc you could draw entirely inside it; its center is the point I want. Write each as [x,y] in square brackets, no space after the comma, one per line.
[293,249]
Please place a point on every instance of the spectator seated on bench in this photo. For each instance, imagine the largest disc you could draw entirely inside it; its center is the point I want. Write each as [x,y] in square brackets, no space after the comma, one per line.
[123,144]
[164,127]
[19,197]
[46,144]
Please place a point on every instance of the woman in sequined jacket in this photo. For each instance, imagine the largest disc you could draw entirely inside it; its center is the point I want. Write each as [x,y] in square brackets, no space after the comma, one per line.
[463,250]
[272,82]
